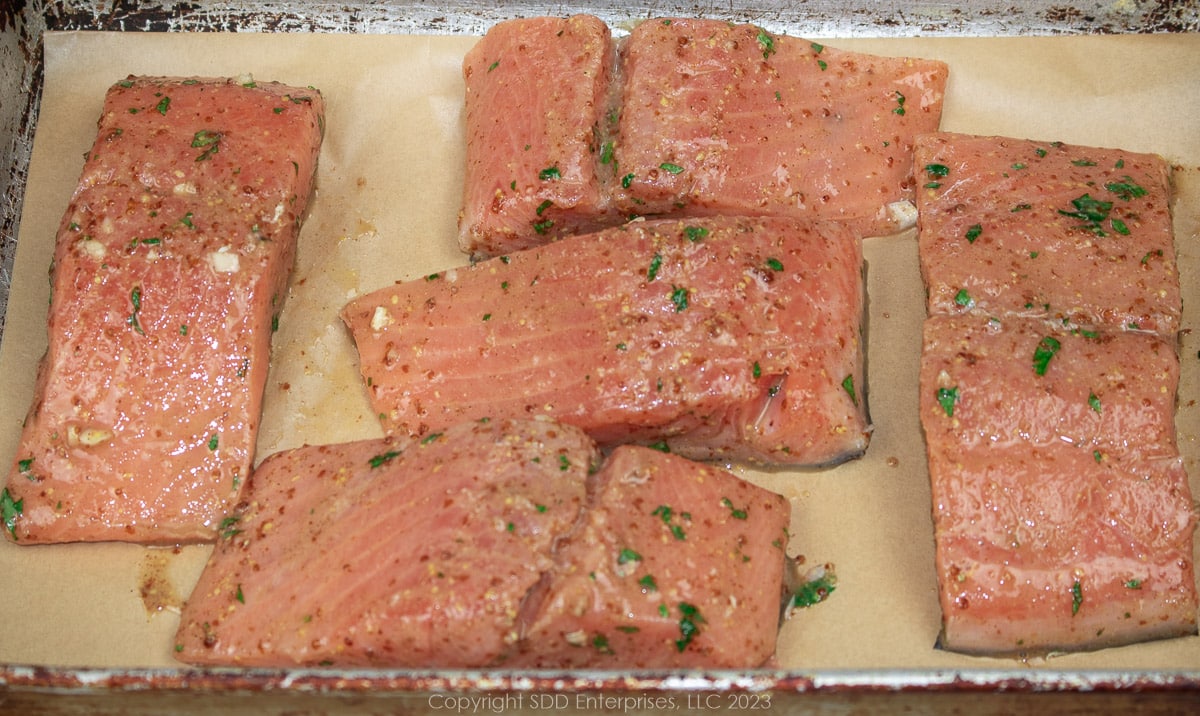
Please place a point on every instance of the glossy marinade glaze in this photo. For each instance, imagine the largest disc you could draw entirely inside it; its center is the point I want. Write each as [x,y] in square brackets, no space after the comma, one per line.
[1063,516]
[1062,512]
[452,551]
[1077,234]
[170,265]
[717,118]
[569,130]
[722,338]
[536,90]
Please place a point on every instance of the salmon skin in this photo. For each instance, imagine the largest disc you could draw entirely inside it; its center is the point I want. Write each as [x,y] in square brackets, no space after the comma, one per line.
[1062,514]
[436,554]
[720,338]
[536,89]
[1047,229]
[170,265]
[425,549]
[674,565]
[568,131]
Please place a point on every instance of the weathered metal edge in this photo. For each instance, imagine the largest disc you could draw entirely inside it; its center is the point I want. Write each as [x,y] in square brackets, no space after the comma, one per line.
[66,679]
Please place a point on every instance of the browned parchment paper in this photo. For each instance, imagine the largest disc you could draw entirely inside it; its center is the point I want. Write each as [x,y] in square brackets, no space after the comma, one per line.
[389,183]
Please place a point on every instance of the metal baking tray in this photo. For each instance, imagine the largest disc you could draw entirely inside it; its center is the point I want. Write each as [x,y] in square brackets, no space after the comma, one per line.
[33,688]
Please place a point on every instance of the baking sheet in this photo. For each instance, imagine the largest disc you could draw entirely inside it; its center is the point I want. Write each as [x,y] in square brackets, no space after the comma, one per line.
[388,192]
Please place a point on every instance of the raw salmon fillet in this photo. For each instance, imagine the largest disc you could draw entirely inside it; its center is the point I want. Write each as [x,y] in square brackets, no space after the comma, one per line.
[1062,513]
[1023,227]
[723,338]
[449,552]
[170,263]
[569,132]
[676,565]
[723,118]
[536,92]
[389,552]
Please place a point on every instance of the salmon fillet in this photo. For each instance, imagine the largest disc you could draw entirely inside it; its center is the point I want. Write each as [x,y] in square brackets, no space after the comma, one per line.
[441,551]
[723,118]
[723,338]
[1062,513]
[676,565]
[170,265]
[536,91]
[1046,229]
[424,550]
[569,132]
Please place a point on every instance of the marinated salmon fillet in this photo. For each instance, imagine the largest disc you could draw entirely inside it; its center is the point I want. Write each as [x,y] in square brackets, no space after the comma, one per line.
[723,118]
[1062,513]
[1046,229]
[389,552]
[568,131]
[676,565]
[536,92]
[465,550]
[170,265]
[722,338]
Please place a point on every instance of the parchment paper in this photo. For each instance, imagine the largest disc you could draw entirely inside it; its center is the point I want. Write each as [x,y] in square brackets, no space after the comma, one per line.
[388,194]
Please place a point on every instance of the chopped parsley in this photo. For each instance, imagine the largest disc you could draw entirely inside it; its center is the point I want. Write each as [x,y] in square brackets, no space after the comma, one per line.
[10,510]
[1090,211]
[1094,402]
[848,386]
[899,109]
[647,582]
[688,625]
[383,458]
[655,265]
[679,297]
[695,233]
[1076,597]
[767,43]
[1045,350]
[962,298]
[213,441]
[550,174]
[815,590]
[774,264]
[606,153]
[628,555]
[670,168]
[733,511]
[1127,189]
[818,48]
[946,398]
[973,232]
[163,104]
[208,140]
[228,529]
